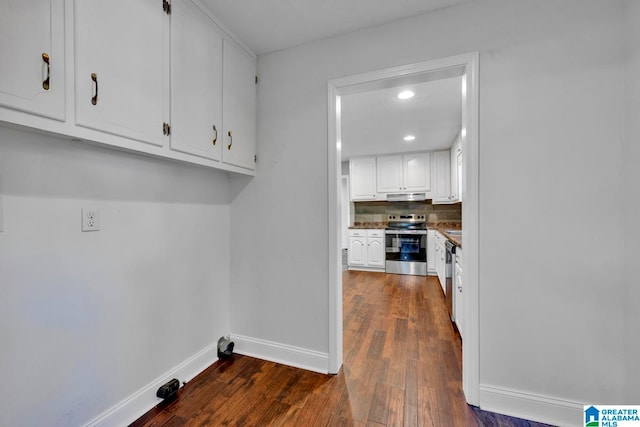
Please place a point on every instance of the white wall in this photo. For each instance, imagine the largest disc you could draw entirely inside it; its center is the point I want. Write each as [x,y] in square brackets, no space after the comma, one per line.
[87,319]
[551,114]
[631,200]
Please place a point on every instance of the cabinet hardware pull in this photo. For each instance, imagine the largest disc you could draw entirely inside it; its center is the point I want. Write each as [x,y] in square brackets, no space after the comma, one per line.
[215,138]
[230,141]
[94,98]
[45,82]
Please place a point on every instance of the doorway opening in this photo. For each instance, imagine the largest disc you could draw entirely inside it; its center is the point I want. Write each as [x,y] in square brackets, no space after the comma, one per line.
[465,65]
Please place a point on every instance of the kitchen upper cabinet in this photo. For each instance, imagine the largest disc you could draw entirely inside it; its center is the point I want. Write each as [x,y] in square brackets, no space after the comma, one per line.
[404,173]
[196,82]
[417,172]
[442,177]
[389,174]
[121,68]
[32,57]
[362,178]
[455,154]
[239,106]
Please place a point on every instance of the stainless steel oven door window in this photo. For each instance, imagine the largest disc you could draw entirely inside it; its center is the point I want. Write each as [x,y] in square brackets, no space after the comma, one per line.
[406,252]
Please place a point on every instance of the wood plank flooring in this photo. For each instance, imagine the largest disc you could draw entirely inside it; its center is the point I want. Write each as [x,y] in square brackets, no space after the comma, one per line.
[402,367]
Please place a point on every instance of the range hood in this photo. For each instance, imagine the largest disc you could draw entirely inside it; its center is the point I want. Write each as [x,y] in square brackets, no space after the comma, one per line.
[406,197]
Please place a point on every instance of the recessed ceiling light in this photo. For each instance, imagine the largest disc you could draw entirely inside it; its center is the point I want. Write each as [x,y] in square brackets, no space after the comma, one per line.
[409,138]
[406,94]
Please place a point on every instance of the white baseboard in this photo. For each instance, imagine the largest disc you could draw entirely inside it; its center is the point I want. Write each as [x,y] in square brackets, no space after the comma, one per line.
[281,353]
[534,407]
[136,405]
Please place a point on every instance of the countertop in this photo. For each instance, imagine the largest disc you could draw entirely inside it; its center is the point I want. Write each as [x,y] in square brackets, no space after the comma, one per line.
[456,240]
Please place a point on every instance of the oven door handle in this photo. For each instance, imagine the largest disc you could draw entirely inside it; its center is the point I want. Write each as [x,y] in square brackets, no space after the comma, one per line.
[413,232]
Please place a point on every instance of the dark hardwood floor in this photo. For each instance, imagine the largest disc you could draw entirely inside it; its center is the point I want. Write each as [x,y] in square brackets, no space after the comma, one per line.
[402,367]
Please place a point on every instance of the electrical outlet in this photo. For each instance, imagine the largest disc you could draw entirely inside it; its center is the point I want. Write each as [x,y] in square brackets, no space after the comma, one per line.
[90,219]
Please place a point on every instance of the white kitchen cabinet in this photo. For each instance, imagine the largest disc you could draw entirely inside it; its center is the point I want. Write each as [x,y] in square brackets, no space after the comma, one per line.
[431,252]
[362,178]
[455,154]
[239,106]
[404,173]
[366,249]
[32,57]
[441,260]
[442,177]
[389,174]
[121,80]
[196,82]
[357,253]
[417,172]
[375,248]
[459,294]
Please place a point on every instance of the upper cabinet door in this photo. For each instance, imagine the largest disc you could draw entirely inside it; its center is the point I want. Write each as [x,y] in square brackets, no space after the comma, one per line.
[196,82]
[389,174]
[238,106]
[32,56]
[121,77]
[362,178]
[442,177]
[417,172]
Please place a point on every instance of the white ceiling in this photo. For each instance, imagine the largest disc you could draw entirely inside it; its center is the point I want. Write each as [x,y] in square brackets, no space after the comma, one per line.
[270,25]
[375,122]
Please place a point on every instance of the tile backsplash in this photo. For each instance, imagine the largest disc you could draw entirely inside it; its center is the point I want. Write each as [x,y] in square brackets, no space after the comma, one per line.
[365,212]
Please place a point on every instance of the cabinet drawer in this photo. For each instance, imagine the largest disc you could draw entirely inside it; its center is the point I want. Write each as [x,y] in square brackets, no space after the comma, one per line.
[375,233]
[359,232]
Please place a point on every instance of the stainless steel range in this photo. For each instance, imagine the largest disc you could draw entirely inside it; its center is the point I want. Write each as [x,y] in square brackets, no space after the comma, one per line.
[406,244]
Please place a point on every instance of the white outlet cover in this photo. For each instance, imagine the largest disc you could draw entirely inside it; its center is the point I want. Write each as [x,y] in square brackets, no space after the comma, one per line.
[90,219]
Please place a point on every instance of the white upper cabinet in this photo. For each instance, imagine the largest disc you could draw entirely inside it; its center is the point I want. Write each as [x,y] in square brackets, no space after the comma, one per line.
[442,177]
[362,178]
[404,173]
[389,173]
[121,81]
[417,172]
[456,170]
[196,82]
[32,57]
[239,106]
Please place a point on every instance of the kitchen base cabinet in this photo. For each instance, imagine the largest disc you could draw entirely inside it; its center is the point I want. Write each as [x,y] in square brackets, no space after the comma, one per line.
[431,252]
[366,249]
[441,260]
[458,293]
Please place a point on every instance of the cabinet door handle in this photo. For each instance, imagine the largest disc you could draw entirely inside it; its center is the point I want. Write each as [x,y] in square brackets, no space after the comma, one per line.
[94,98]
[230,140]
[45,82]
[215,138]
